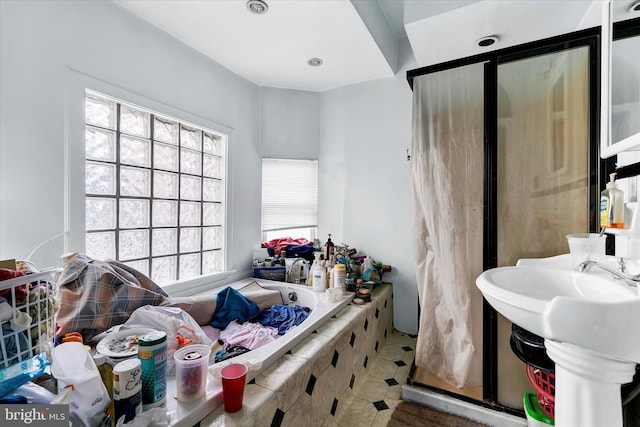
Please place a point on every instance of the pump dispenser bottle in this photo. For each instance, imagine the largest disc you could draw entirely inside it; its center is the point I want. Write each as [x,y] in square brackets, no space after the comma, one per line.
[319,278]
[612,205]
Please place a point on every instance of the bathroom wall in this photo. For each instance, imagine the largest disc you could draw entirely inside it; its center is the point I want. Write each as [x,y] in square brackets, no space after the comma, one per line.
[46,47]
[366,197]
[289,123]
[359,133]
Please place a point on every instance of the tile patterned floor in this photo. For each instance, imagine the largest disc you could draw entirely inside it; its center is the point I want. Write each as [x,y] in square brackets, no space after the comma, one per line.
[376,393]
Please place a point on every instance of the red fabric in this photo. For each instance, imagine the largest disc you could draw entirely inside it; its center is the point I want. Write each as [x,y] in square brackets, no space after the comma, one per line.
[279,244]
[21,291]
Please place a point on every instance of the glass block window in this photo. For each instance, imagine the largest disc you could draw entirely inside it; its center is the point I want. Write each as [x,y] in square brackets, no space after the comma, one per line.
[154,191]
[289,199]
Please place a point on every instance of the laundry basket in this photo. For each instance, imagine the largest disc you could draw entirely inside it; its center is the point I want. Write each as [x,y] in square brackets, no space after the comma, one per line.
[544,382]
[28,327]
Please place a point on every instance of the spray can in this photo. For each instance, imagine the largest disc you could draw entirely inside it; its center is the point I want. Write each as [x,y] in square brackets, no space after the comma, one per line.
[152,352]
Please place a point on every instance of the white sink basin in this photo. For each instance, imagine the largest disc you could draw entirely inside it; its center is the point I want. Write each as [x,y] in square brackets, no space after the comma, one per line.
[547,297]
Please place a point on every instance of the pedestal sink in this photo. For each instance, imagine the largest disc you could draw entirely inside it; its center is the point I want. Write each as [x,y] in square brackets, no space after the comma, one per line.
[590,323]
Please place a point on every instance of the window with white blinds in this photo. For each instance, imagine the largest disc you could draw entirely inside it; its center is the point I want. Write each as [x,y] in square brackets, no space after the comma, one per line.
[289,198]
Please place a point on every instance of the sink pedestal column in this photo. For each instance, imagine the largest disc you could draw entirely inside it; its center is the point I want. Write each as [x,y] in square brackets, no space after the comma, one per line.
[587,386]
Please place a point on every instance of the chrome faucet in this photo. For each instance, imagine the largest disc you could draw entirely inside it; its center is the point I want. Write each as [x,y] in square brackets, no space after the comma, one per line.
[299,271]
[629,279]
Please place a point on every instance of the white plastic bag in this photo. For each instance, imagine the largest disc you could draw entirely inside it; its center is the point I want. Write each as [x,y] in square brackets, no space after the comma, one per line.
[73,367]
[172,320]
[157,417]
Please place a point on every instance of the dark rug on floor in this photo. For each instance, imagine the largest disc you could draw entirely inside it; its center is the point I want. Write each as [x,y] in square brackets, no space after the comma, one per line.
[408,414]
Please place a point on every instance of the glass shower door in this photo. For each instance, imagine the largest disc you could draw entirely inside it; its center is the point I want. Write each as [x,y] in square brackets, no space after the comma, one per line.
[542,174]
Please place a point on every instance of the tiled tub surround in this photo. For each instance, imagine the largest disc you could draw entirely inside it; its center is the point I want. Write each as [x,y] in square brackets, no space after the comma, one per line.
[268,356]
[312,385]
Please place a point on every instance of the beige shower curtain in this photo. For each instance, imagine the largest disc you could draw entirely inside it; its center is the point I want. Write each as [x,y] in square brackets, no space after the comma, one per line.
[447,163]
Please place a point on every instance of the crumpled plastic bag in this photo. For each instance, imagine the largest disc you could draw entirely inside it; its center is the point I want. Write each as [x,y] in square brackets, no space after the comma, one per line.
[155,416]
[172,320]
[20,373]
[73,367]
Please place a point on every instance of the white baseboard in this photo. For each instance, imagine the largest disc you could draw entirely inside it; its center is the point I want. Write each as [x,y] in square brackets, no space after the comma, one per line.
[461,408]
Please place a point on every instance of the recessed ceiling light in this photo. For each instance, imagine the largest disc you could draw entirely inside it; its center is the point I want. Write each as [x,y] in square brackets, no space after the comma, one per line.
[258,7]
[487,41]
[635,7]
[315,62]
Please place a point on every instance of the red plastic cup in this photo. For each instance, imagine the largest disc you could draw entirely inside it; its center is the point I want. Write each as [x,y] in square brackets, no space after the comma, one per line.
[233,379]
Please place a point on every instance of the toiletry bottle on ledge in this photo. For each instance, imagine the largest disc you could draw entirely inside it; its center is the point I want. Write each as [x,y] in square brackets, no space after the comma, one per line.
[319,278]
[612,205]
[329,249]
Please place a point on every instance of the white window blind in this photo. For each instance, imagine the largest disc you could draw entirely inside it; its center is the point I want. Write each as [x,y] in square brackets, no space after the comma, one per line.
[289,194]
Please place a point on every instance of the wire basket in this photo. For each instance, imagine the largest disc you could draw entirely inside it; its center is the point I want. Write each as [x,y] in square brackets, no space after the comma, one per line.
[29,327]
[269,273]
[544,383]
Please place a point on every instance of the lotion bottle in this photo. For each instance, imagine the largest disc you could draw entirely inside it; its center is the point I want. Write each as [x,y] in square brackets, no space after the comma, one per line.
[319,278]
[612,205]
[316,262]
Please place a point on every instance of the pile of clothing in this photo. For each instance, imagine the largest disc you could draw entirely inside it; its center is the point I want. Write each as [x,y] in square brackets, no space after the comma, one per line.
[244,326]
[24,310]
[95,295]
[294,247]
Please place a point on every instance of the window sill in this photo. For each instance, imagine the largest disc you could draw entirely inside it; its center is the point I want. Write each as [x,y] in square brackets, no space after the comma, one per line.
[196,285]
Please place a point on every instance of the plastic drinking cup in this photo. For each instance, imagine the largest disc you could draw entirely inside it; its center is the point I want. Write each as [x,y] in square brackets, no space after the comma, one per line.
[584,246]
[233,377]
[191,371]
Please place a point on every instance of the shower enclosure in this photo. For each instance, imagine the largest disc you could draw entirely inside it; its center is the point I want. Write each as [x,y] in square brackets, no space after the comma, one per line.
[513,192]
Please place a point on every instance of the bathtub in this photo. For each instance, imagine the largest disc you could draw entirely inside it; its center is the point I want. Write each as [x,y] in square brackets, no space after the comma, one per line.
[190,413]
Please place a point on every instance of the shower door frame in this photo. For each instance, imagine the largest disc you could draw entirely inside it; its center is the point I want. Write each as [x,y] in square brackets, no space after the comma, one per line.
[589,38]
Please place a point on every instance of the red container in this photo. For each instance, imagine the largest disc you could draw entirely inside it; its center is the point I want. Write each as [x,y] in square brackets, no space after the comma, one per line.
[544,383]
[233,379]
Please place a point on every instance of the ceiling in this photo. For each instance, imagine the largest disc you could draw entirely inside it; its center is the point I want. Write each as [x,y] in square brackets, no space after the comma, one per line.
[357,40]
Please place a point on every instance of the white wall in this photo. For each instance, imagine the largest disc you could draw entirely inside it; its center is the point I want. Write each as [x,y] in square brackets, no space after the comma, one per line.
[366,193]
[359,133]
[289,123]
[45,48]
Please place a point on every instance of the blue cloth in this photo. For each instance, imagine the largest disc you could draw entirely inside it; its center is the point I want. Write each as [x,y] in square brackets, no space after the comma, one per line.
[232,305]
[283,317]
[11,342]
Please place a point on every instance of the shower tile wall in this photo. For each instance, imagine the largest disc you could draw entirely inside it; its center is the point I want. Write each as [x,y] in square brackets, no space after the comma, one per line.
[313,384]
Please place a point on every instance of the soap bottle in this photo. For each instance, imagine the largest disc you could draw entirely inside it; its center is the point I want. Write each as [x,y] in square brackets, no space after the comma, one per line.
[612,205]
[319,278]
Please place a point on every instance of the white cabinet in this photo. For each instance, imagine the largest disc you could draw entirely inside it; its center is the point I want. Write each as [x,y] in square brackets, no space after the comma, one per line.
[620,120]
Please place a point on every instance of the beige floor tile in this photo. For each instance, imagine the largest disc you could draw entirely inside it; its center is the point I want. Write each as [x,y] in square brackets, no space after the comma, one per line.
[372,389]
[382,419]
[389,352]
[399,339]
[382,369]
[394,392]
[330,422]
[360,413]
[402,374]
